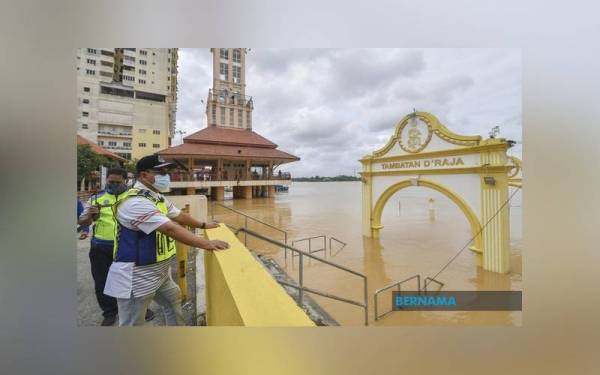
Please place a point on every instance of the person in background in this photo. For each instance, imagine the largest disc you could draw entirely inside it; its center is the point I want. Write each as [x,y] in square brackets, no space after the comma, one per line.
[84,230]
[99,211]
[148,225]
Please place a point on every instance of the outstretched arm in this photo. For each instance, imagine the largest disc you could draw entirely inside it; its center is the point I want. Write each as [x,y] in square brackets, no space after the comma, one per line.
[187,219]
[181,234]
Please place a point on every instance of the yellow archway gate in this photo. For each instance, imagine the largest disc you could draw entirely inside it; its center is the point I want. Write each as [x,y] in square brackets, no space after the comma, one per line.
[471,171]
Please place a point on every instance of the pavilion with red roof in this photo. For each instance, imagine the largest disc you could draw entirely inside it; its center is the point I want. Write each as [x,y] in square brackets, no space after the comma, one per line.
[217,157]
[228,153]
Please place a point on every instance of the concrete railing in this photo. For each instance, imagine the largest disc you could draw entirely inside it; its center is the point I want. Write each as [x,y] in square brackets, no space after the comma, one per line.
[241,292]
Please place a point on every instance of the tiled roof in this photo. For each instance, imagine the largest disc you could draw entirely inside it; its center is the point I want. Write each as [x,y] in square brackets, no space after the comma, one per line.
[97,149]
[224,136]
[229,151]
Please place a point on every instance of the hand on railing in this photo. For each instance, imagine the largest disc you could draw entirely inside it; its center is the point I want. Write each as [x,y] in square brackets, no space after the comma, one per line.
[217,245]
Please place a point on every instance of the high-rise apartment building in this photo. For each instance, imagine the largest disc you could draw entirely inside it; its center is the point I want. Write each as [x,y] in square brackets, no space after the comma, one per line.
[127,98]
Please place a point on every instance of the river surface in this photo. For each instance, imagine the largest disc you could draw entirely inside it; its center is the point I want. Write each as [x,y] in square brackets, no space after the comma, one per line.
[412,242]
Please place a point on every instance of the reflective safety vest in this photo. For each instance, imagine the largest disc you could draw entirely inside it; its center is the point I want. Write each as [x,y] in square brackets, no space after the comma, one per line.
[104,227]
[137,246]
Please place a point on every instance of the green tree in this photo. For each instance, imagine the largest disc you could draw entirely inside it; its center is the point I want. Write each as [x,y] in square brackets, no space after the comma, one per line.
[130,166]
[88,161]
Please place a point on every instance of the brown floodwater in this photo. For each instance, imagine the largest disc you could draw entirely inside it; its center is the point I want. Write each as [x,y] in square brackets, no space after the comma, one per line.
[412,242]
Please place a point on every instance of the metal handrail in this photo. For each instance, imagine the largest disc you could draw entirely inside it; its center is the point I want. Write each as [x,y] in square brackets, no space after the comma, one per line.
[338,241]
[309,239]
[246,217]
[301,288]
[398,283]
[425,283]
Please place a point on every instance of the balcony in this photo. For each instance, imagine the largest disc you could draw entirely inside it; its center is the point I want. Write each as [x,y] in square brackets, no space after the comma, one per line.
[199,179]
[225,97]
[114,133]
[121,148]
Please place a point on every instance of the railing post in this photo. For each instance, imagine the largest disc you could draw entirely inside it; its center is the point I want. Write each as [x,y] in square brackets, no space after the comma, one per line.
[300,281]
[285,248]
[375,306]
[182,255]
[246,234]
[366,304]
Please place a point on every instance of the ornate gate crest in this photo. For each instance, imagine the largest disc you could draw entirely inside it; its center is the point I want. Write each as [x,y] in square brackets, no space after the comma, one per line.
[415,135]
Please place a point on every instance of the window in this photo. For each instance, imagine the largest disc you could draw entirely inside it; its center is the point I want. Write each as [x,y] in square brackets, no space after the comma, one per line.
[106,63]
[237,55]
[101,143]
[143,53]
[91,50]
[128,78]
[224,53]
[86,89]
[222,112]
[112,143]
[85,126]
[106,74]
[248,119]
[142,130]
[142,71]
[231,113]
[142,81]
[214,114]
[90,72]
[142,62]
[240,119]
[85,114]
[156,132]
[85,101]
[237,74]
[126,144]
[129,58]
[91,61]
[141,144]
[155,145]
[223,72]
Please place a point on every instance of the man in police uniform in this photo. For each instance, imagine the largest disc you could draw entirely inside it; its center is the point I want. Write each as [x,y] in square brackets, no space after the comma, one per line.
[147,227]
[98,210]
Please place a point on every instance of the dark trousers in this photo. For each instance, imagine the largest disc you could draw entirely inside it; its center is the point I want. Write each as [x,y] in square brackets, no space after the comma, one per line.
[101,257]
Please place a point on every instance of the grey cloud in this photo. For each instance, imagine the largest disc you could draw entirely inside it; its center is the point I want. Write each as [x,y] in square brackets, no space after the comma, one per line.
[334,104]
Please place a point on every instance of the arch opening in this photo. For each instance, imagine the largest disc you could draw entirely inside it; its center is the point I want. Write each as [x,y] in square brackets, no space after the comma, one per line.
[476,228]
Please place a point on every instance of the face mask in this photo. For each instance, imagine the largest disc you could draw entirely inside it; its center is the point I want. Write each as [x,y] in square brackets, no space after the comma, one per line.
[116,188]
[162,182]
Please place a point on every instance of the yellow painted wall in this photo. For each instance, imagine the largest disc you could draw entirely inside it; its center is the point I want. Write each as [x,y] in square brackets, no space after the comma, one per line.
[149,139]
[240,292]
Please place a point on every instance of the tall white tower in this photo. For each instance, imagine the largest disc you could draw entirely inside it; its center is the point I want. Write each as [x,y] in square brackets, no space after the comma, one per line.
[227,105]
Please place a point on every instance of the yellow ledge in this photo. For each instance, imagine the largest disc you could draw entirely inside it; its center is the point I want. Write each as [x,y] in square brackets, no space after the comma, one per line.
[240,292]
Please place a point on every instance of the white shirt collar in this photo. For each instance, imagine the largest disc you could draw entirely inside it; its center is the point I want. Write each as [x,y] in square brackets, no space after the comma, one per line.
[139,185]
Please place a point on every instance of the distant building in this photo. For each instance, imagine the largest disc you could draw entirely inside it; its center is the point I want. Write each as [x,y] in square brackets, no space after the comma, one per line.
[127,98]
[228,153]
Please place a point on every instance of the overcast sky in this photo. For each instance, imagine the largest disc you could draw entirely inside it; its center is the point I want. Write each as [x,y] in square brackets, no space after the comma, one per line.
[332,106]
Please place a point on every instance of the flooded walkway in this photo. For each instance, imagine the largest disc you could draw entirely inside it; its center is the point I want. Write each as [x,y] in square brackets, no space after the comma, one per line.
[411,243]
